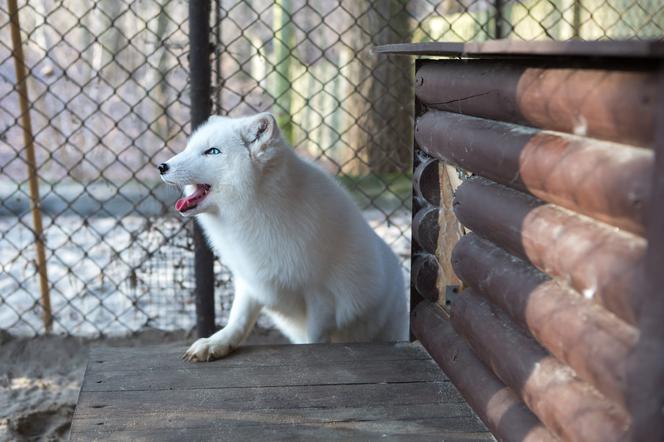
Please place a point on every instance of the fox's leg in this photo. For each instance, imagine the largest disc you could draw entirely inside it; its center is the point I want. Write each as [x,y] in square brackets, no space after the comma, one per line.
[321,319]
[241,321]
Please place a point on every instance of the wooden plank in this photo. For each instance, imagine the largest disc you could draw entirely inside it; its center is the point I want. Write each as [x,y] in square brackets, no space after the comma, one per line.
[601,263]
[571,48]
[219,428]
[496,404]
[455,415]
[121,403]
[217,375]
[558,168]
[612,103]
[257,355]
[311,392]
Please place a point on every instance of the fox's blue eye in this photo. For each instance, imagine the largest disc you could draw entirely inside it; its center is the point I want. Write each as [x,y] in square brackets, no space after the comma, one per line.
[212,151]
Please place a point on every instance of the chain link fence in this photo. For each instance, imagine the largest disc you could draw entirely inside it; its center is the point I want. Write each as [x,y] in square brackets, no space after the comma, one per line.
[108,95]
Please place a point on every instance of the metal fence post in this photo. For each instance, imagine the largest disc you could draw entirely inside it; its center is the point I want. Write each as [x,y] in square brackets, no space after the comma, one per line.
[22,89]
[200,78]
[498,19]
[576,19]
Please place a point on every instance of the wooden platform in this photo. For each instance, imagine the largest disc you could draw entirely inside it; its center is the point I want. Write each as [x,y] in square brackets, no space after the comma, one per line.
[267,393]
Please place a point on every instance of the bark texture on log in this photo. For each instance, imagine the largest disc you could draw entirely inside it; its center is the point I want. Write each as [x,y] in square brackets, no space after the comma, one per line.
[610,104]
[601,263]
[607,181]
[508,418]
[569,407]
[592,341]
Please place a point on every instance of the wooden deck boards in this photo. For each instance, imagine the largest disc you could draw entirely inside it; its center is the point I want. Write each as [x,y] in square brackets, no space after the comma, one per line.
[303,392]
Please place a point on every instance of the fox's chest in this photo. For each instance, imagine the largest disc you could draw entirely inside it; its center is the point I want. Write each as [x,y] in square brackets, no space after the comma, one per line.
[261,257]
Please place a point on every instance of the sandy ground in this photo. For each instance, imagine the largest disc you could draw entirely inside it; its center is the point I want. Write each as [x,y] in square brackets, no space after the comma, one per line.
[40,378]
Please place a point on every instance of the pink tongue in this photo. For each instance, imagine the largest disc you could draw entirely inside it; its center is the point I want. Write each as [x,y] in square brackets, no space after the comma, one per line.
[189,202]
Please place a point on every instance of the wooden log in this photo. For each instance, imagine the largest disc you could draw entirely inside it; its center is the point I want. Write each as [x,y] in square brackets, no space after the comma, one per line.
[646,364]
[426,228]
[508,418]
[418,203]
[568,407]
[590,340]
[615,105]
[607,181]
[424,276]
[599,262]
[425,181]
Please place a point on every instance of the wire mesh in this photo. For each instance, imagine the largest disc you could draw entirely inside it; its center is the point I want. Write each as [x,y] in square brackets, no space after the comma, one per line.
[108,84]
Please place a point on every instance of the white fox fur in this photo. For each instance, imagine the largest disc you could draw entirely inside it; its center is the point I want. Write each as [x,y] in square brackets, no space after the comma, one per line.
[297,245]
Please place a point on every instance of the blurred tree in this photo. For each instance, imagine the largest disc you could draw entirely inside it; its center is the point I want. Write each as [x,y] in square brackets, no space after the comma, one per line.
[164,126]
[284,41]
[382,104]
[576,19]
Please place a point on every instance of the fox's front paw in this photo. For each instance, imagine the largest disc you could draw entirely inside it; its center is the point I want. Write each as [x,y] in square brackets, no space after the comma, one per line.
[206,349]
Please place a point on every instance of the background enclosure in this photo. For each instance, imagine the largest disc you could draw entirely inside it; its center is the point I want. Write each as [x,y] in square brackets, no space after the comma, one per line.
[109,99]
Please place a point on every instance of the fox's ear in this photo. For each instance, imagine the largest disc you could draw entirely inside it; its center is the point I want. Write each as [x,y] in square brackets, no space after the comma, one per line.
[261,132]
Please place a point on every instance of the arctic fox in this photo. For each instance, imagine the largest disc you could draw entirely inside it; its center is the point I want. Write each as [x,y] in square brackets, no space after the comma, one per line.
[297,245]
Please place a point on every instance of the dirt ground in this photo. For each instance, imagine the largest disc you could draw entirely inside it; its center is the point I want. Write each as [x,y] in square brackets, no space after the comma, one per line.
[40,378]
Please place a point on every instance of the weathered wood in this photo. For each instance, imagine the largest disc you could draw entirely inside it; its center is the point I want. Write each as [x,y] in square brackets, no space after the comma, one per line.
[568,406]
[426,228]
[119,403]
[589,89]
[646,364]
[418,203]
[351,372]
[613,105]
[601,263]
[530,49]
[456,417]
[449,232]
[108,359]
[508,418]
[590,340]
[424,271]
[607,181]
[311,392]
[265,426]
[425,181]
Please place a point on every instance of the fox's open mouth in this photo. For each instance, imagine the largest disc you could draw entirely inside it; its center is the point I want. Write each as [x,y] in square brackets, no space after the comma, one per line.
[189,202]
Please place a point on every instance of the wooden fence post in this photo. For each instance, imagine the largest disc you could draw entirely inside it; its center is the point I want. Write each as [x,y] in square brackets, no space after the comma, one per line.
[22,89]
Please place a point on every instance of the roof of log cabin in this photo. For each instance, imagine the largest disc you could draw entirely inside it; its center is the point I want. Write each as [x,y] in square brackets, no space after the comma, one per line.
[644,49]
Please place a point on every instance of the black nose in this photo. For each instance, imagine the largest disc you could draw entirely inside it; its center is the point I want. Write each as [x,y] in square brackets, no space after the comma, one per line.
[163,168]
